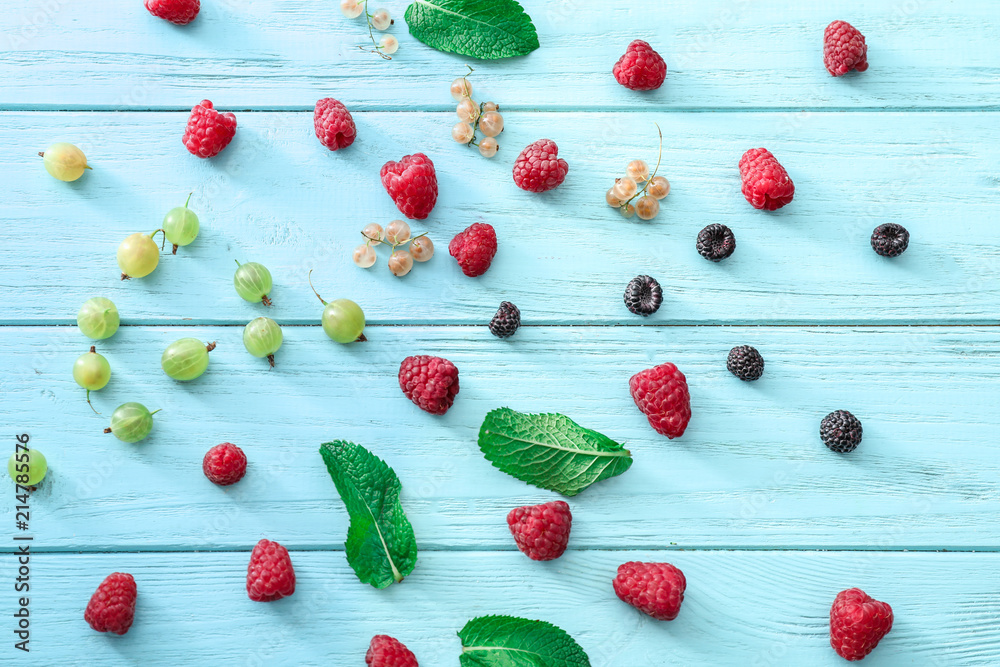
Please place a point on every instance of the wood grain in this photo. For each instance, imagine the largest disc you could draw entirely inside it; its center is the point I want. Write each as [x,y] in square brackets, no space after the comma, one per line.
[276,196]
[281,54]
[755,609]
[750,472]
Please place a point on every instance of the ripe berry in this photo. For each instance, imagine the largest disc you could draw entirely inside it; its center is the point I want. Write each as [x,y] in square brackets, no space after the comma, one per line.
[384,651]
[270,575]
[612,198]
[625,188]
[422,248]
[506,321]
[224,464]
[643,295]
[656,589]
[412,184]
[381,19]
[488,147]
[541,532]
[647,207]
[638,170]
[396,232]
[474,248]
[180,12]
[112,606]
[858,623]
[841,431]
[661,393]
[844,49]
[745,363]
[64,161]
[539,168]
[430,382]
[627,211]
[364,256]
[766,184]
[659,187]
[334,124]
[351,8]
[640,68]
[716,242]
[467,110]
[400,263]
[388,44]
[208,131]
[462,132]
[890,239]
[491,123]
[460,88]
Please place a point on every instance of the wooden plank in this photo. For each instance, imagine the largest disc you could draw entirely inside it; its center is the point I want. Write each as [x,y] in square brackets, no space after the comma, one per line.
[278,197]
[740,608]
[750,472]
[288,53]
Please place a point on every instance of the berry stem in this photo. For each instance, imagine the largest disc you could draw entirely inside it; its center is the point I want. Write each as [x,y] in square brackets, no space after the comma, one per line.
[371,35]
[91,404]
[210,346]
[314,289]
[153,236]
[265,300]
[155,411]
[270,360]
[649,180]
[107,430]
[361,339]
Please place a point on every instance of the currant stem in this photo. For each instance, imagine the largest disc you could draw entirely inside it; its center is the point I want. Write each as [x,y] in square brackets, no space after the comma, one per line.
[314,289]
[371,35]
[651,176]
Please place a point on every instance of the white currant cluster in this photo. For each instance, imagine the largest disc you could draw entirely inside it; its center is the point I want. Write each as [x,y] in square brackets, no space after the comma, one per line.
[647,198]
[379,20]
[395,234]
[483,117]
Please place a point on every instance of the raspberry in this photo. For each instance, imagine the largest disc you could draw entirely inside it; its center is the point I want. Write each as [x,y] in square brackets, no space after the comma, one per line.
[716,242]
[541,531]
[844,49]
[841,431]
[643,295]
[180,12]
[430,382]
[506,321]
[890,239]
[412,184]
[765,182]
[270,575]
[112,606]
[474,248]
[224,464]
[661,393]
[656,589]
[333,123]
[538,168]
[640,68]
[384,651]
[745,363]
[858,623]
[208,131]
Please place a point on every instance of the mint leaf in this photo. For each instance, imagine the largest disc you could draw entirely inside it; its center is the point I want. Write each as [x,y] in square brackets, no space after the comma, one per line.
[380,543]
[508,641]
[484,29]
[550,450]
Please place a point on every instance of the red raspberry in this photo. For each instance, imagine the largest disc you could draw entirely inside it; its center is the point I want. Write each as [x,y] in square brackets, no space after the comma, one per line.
[857,623]
[656,589]
[844,49]
[474,248]
[385,651]
[430,382]
[112,606]
[640,68]
[412,184]
[541,531]
[765,182]
[208,131]
[661,393]
[538,167]
[334,124]
[270,575]
[180,12]
[224,464]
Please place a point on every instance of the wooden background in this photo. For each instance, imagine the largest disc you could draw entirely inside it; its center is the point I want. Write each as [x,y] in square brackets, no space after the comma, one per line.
[767,524]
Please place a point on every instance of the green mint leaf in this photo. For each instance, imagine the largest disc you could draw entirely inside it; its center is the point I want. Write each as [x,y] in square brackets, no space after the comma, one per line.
[380,543]
[508,641]
[550,450]
[484,29]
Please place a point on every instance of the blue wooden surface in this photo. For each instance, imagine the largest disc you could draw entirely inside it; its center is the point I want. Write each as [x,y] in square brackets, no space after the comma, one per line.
[766,523]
